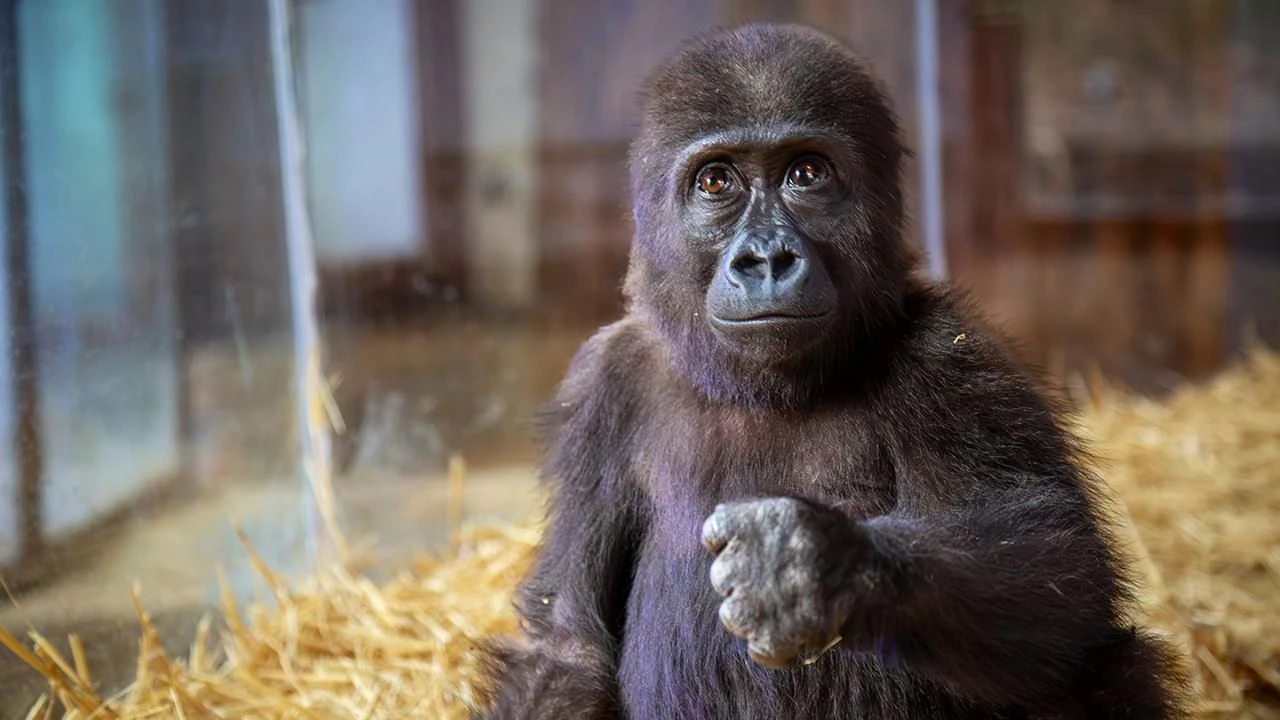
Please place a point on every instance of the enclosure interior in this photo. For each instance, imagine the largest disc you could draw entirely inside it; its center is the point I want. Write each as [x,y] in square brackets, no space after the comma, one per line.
[1104,176]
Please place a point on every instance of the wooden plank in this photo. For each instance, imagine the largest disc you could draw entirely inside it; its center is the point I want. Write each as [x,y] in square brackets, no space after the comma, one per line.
[1208,282]
[997,101]
[26,441]
[1113,311]
[959,148]
[501,187]
[984,226]
[442,103]
[1253,167]
[1164,342]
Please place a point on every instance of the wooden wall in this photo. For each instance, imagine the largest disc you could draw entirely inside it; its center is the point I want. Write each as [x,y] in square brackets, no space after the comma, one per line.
[1092,201]
[1106,193]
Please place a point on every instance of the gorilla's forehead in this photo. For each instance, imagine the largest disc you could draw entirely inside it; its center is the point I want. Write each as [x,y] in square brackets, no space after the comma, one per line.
[755,78]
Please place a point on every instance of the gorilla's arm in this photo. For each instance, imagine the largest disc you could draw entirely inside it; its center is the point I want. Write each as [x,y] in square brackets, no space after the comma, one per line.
[566,665]
[573,601]
[997,571]
[991,574]
[1000,602]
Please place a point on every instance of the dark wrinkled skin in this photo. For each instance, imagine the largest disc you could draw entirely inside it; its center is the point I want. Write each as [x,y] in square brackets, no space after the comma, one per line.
[785,592]
[882,517]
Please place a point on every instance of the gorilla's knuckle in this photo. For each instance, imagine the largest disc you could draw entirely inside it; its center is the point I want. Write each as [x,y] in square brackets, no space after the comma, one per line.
[736,616]
[713,535]
[724,572]
[770,654]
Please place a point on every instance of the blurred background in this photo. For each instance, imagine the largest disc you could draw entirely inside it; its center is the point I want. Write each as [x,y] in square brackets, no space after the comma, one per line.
[1104,175]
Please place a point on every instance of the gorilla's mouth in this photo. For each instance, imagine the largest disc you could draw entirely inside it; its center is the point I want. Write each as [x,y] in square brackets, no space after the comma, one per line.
[769,318]
[778,334]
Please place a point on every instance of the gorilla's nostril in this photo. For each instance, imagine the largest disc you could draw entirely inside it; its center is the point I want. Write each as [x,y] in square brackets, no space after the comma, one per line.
[782,262]
[749,266]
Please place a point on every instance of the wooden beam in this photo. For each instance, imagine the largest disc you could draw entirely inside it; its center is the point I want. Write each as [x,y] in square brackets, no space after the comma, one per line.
[442,97]
[25,368]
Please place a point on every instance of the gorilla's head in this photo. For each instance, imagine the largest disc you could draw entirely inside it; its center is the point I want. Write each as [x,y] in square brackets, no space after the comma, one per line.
[767,200]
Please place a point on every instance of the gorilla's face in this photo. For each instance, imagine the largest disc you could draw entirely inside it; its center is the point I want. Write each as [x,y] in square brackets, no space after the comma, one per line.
[760,217]
[765,183]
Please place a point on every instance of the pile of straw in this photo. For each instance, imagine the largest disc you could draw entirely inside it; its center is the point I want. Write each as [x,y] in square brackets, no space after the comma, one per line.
[338,646]
[1198,473]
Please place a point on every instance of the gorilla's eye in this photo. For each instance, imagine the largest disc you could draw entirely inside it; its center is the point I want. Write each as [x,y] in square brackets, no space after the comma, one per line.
[807,172]
[714,180]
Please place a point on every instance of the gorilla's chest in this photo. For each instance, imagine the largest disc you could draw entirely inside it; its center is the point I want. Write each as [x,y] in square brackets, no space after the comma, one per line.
[690,464]
[677,659]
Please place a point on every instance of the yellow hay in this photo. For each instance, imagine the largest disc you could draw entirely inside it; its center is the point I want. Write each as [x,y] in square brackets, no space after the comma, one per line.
[1199,474]
[338,646]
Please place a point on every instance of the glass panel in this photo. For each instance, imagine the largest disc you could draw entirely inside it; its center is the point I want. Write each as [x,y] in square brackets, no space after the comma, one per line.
[101,269]
[465,180]
[1109,189]
[161,320]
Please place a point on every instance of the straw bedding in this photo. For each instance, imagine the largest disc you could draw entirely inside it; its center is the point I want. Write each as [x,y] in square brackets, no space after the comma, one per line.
[1197,472]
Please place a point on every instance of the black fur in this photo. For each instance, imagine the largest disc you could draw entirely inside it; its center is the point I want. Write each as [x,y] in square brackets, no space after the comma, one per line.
[905,488]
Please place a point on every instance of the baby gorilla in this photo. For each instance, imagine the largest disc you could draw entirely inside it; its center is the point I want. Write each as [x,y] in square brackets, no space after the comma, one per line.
[796,480]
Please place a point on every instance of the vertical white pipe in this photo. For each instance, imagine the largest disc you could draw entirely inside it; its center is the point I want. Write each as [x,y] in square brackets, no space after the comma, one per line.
[931,214]
[313,430]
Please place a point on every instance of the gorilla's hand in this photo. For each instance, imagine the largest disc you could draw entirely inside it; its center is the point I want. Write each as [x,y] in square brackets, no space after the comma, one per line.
[785,568]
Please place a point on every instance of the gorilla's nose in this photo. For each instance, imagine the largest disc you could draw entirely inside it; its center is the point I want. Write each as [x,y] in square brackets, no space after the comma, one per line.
[773,264]
[769,277]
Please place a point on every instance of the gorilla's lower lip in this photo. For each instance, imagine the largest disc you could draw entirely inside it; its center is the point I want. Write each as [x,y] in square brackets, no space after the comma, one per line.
[769,318]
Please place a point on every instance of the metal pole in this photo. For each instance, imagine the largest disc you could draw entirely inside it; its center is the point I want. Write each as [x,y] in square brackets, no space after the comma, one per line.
[931,213]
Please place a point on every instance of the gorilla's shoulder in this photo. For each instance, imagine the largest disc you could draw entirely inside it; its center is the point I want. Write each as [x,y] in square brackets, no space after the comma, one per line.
[948,333]
[602,378]
[614,354]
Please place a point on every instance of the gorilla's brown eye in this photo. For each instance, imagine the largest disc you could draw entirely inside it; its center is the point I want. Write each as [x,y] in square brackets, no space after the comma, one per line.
[807,173]
[714,180]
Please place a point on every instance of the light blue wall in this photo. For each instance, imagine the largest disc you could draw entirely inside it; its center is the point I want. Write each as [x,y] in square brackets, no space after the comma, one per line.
[72,157]
[92,86]
[358,92]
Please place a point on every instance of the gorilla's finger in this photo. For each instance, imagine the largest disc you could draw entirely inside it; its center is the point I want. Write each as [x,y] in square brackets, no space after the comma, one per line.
[738,616]
[721,526]
[771,657]
[728,571]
